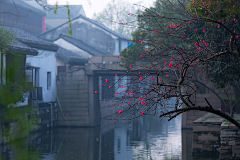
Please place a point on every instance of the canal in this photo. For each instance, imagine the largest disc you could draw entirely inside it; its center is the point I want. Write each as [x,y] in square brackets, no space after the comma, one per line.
[147,138]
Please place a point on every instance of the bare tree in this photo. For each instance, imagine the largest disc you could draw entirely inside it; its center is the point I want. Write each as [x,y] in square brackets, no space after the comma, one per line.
[163,71]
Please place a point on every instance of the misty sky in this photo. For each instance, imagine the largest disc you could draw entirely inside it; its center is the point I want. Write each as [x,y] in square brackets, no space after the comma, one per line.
[92,6]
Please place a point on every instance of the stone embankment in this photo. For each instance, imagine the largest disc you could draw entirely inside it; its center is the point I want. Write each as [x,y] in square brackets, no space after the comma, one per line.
[212,135]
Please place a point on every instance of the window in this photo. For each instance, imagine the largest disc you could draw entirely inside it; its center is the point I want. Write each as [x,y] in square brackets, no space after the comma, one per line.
[48,80]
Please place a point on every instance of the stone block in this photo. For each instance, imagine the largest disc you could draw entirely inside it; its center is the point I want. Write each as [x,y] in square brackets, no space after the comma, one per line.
[236,149]
[232,143]
[78,73]
[70,101]
[71,77]
[225,151]
[74,107]
[73,123]
[68,91]
[208,137]
[225,157]
[82,87]
[70,96]
[80,113]
[206,129]
[228,132]
[223,147]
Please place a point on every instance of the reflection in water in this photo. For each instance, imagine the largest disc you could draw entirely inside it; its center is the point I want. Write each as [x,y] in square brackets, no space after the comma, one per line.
[144,139]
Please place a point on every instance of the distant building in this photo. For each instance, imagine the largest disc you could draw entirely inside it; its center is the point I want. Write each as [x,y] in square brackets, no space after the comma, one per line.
[90,32]
[55,20]
[26,15]
[66,59]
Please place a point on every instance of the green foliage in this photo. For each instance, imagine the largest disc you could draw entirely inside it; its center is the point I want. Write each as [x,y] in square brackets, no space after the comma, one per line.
[11,93]
[69,20]
[217,9]
[153,29]
[5,39]
[69,17]
[56,8]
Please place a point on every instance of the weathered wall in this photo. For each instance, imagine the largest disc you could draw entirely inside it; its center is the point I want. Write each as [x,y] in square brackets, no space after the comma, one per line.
[206,135]
[88,32]
[230,141]
[73,97]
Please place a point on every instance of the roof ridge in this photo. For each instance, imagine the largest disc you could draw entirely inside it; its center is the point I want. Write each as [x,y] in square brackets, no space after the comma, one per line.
[93,21]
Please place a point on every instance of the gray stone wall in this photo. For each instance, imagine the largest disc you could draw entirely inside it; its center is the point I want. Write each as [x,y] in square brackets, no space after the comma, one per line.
[73,97]
[230,141]
[206,135]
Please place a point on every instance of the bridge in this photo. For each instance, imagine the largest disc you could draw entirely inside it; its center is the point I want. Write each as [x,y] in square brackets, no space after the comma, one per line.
[79,104]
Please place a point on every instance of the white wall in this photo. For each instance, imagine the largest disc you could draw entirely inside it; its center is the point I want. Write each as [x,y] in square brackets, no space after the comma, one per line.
[124,44]
[46,60]
[68,46]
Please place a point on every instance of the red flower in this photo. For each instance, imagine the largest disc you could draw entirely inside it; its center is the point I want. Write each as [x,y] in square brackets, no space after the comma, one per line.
[152,78]
[167,75]
[140,55]
[118,56]
[141,78]
[121,86]
[155,31]
[140,98]
[204,31]
[129,102]
[142,112]
[144,103]
[95,91]
[115,74]
[119,111]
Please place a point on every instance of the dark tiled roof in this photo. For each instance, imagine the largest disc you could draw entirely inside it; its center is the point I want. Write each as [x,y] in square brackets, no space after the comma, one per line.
[93,22]
[20,48]
[30,5]
[69,56]
[62,12]
[30,40]
[80,44]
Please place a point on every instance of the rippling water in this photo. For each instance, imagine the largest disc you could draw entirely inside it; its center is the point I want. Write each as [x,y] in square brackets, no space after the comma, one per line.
[147,138]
